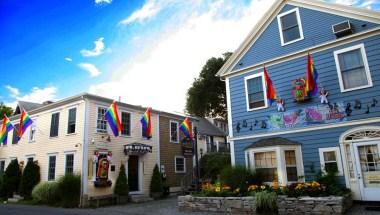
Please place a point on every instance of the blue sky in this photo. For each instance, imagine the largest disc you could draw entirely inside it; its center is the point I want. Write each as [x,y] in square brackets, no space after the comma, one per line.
[147,52]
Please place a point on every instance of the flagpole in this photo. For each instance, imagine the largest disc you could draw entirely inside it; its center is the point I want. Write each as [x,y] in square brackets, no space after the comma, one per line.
[196,157]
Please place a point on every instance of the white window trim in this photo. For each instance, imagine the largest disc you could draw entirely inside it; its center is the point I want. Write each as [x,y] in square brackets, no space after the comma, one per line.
[96,120]
[281,163]
[175,164]
[59,122]
[296,10]
[69,153]
[29,156]
[365,62]
[337,156]
[170,131]
[30,131]
[55,167]
[76,121]
[130,123]
[264,90]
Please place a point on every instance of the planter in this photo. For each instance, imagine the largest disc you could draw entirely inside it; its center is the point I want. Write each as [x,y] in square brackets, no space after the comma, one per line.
[314,205]
[239,205]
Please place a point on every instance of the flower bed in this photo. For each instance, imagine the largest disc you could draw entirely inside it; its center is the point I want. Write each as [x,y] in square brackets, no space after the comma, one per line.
[313,205]
[239,205]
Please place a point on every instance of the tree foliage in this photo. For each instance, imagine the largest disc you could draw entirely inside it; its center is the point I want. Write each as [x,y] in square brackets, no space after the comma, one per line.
[30,178]
[207,96]
[156,182]
[11,179]
[5,110]
[121,186]
[212,164]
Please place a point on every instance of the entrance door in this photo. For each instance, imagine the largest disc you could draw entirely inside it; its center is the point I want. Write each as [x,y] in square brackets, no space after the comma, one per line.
[368,169]
[133,173]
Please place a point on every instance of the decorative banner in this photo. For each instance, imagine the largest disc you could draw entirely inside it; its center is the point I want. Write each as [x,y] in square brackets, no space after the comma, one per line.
[6,127]
[313,115]
[146,124]
[112,117]
[25,122]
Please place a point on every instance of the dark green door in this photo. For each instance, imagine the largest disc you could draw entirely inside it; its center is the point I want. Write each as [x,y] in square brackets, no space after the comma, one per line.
[133,173]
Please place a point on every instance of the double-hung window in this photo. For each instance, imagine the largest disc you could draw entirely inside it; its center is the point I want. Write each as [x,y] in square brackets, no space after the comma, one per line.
[291,165]
[330,160]
[51,167]
[255,92]
[352,67]
[266,165]
[32,132]
[174,137]
[125,124]
[180,164]
[290,27]
[71,121]
[15,134]
[101,123]
[69,166]
[54,125]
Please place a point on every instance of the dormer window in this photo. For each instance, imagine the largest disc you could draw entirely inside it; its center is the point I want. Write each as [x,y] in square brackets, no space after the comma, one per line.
[289,24]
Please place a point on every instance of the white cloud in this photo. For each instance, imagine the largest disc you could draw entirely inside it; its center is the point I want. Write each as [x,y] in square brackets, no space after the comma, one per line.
[36,94]
[98,49]
[103,1]
[90,68]
[148,10]
[347,2]
[68,59]
[14,92]
[161,76]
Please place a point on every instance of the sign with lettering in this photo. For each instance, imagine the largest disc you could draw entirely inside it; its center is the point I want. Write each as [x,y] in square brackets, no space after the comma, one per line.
[187,151]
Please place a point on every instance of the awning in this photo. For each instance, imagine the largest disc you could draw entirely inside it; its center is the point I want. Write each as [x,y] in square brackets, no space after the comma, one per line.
[137,148]
[274,141]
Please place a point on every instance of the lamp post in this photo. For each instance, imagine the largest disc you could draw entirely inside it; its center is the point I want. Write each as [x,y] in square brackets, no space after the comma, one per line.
[196,157]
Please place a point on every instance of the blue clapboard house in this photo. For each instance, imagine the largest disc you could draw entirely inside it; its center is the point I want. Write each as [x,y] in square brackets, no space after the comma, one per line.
[299,135]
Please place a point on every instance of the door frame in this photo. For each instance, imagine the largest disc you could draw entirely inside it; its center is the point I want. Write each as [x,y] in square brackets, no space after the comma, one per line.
[140,176]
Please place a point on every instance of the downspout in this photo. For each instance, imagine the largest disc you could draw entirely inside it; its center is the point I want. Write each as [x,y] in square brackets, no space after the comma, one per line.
[84,172]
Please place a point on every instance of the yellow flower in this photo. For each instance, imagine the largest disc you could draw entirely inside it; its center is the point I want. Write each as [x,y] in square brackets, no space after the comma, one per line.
[237,190]
[252,187]
[262,187]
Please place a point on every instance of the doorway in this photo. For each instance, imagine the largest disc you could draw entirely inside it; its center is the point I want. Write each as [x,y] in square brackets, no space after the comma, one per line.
[133,173]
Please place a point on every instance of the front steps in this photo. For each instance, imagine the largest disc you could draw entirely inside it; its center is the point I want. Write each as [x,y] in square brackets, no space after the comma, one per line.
[140,198]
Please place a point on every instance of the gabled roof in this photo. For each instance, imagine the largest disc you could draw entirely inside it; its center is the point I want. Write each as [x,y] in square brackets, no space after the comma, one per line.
[205,127]
[259,28]
[27,106]
[274,141]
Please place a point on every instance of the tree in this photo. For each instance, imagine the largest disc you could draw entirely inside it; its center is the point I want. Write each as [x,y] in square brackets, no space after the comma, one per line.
[121,186]
[156,188]
[212,164]
[5,110]
[207,96]
[11,179]
[30,178]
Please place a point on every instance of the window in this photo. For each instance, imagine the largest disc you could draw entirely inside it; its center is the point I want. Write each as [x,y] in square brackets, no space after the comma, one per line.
[54,125]
[289,24]
[291,165]
[69,168]
[126,123]
[71,121]
[180,165]
[330,160]
[101,124]
[352,68]
[32,132]
[266,165]
[350,163]
[255,93]
[29,159]
[15,135]
[2,166]
[51,170]
[174,132]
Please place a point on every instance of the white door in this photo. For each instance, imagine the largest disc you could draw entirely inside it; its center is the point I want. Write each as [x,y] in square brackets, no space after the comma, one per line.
[368,169]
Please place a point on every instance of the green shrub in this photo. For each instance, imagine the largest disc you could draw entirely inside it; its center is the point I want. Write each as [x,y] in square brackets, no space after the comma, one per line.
[11,179]
[121,186]
[211,165]
[266,201]
[46,193]
[29,179]
[330,181]
[240,178]
[156,182]
[69,190]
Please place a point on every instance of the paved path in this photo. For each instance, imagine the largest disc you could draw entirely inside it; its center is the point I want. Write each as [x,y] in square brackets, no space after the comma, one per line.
[161,207]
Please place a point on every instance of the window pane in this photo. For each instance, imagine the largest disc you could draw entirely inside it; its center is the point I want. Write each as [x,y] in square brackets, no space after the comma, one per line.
[290,29]
[290,157]
[291,34]
[291,173]
[352,69]
[69,163]
[329,156]
[51,173]
[266,165]
[15,135]
[32,132]
[101,121]
[180,164]
[174,132]
[71,121]
[255,92]
[289,20]
[54,125]
[331,167]
[125,123]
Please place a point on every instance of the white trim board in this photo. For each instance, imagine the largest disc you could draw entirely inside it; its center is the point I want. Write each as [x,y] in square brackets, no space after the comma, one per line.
[268,17]
[312,128]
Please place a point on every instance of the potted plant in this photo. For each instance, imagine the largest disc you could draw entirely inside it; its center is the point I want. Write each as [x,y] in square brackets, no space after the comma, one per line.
[121,189]
[156,188]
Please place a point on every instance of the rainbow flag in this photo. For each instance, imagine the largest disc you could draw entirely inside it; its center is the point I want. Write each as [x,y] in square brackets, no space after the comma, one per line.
[112,117]
[311,77]
[271,92]
[186,128]
[146,123]
[25,122]
[7,127]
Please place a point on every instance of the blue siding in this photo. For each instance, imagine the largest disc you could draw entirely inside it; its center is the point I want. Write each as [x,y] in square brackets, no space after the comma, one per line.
[316,28]
[311,142]
[283,74]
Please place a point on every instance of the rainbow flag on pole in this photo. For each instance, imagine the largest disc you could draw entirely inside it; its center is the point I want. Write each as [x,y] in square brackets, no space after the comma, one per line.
[146,124]
[25,122]
[311,77]
[186,128]
[112,117]
[7,127]
[271,92]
